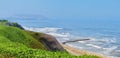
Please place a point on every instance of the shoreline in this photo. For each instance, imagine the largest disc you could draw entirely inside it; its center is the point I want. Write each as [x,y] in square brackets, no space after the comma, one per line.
[78,52]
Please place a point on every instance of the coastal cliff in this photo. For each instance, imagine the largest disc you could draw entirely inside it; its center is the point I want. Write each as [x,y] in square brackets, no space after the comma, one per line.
[15,42]
[48,41]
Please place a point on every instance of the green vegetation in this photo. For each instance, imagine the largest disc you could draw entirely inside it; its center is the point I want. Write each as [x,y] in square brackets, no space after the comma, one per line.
[17,35]
[16,43]
[7,23]
[3,22]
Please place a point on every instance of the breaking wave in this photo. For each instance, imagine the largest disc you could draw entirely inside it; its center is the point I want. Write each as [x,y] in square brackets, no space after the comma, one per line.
[104,45]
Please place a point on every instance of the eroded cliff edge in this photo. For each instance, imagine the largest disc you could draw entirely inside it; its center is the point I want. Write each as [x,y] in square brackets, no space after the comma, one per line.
[49,42]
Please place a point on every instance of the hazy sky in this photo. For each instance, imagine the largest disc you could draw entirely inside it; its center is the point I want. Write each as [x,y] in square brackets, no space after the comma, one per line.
[62,9]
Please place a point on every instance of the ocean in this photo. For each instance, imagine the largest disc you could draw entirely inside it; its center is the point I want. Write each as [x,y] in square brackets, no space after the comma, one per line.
[104,35]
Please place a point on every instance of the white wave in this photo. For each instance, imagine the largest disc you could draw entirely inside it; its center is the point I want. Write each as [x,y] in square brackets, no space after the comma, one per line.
[44,30]
[107,40]
[51,31]
[95,46]
[83,42]
[103,40]
[110,51]
[93,43]
[65,35]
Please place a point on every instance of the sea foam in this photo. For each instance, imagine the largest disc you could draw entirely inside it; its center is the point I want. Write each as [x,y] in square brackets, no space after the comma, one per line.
[94,44]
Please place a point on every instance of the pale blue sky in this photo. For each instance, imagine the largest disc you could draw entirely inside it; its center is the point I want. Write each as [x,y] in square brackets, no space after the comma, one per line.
[62,9]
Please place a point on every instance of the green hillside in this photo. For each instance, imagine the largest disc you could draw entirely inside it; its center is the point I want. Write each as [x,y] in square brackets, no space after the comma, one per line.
[7,23]
[16,35]
[16,43]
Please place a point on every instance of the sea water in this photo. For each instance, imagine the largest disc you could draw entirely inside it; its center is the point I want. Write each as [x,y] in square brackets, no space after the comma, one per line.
[104,35]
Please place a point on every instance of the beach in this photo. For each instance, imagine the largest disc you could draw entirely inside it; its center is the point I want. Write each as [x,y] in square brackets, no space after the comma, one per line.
[78,52]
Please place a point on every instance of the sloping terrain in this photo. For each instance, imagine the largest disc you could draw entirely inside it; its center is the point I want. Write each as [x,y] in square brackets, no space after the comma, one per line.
[18,43]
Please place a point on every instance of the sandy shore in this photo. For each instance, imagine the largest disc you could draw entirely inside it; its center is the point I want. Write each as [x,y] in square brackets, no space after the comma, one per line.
[78,52]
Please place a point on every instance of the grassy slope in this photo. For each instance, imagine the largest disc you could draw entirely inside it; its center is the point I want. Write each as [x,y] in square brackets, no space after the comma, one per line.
[16,35]
[15,43]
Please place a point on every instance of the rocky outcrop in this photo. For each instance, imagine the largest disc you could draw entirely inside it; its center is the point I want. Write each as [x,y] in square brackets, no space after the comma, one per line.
[7,23]
[48,41]
[51,43]
[75,40]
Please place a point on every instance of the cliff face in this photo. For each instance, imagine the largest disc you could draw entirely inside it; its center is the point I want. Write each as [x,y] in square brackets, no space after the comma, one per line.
[51,42]
[48,41]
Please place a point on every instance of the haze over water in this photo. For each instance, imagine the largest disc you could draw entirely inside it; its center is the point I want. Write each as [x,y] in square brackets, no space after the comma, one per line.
[97,20]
